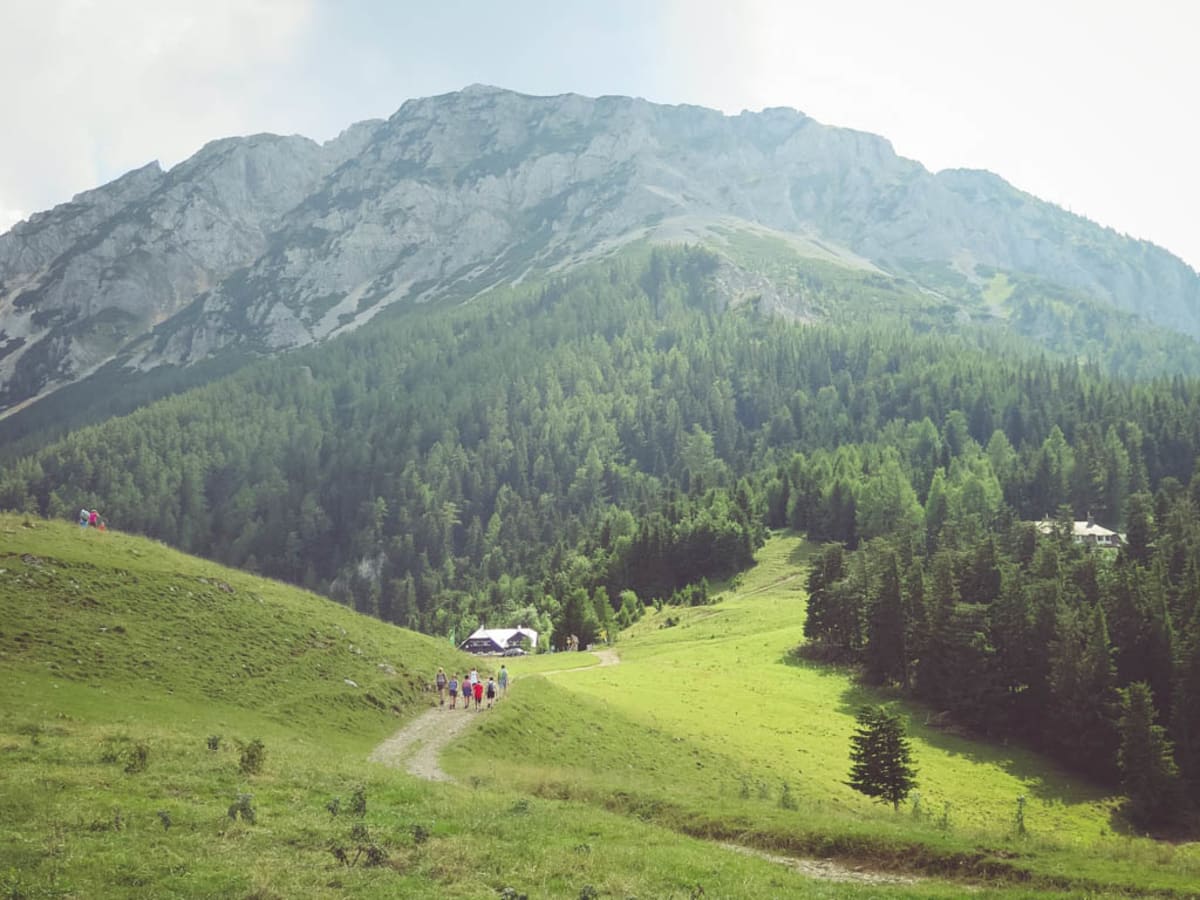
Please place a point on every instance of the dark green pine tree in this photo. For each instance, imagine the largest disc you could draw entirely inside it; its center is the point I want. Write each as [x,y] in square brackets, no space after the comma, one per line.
[1083,697]
[981,581]
[1138,528]
[1185,715]
[1148,773]
[884,656]
[916,618]
[1010,633]
[827,570]
[935,668]
[880,757]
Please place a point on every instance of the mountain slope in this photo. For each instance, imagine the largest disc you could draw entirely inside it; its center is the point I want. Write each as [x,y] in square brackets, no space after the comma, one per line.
[269,243]
[159,622]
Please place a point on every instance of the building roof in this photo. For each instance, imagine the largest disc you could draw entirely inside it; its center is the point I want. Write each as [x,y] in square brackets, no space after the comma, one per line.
[1083,530]
[502,637]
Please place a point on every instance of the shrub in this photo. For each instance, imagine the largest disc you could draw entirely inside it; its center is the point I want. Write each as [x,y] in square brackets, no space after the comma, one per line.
[253,755]
[139,759]
[243,806]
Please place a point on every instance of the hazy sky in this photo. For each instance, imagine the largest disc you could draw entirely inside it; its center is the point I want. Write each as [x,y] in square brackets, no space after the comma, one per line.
[1087,103]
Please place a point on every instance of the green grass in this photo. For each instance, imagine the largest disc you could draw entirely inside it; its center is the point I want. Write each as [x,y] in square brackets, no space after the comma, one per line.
[704,722]
[115,648]
[546,662]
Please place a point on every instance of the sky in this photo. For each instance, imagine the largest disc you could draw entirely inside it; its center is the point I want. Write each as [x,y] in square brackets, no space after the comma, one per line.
[1087,103]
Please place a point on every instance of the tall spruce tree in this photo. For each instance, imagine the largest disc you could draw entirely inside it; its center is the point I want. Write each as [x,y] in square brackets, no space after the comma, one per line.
[935,669]
[1083,697]
[827,569]
[1185,713]
[1148,772]
[884,656]
[881,757]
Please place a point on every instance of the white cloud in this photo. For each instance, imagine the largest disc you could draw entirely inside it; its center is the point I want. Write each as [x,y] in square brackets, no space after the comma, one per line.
[106,86]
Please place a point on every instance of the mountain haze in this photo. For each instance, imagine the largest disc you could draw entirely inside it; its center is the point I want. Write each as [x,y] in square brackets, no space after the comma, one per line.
[266,243]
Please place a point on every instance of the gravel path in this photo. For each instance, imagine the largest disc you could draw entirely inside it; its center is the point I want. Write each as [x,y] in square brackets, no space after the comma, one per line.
[417,745]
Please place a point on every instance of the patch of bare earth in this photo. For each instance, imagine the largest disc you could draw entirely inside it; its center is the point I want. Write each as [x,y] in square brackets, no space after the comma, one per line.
[608,657]
[827,869]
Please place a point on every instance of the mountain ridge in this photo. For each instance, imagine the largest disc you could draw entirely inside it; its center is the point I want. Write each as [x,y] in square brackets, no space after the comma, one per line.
[268,242]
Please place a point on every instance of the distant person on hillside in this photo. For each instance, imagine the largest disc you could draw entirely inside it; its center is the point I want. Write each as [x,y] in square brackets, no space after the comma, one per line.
[440,681]
[478,689]
[454,690]
[83,518]
[491,692]
[474,677]
[503,678]
[93,518]
[103,526]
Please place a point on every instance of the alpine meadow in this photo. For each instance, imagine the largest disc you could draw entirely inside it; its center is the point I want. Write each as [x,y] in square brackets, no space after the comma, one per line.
[869,497]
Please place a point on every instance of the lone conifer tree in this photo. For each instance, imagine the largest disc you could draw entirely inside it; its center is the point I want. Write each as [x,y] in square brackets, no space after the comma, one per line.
[881,757]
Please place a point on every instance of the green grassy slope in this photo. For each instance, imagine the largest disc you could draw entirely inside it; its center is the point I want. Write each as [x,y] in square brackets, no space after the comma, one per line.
[126,619]
[120,659]
[703,723]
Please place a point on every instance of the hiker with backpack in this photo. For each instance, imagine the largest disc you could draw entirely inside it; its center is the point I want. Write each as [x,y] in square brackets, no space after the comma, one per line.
[440,681]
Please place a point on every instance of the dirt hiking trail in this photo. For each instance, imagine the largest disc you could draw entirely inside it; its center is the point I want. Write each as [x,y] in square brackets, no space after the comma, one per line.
[417,746]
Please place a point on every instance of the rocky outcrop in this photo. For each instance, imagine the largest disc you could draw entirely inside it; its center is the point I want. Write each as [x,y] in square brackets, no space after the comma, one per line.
[269,242]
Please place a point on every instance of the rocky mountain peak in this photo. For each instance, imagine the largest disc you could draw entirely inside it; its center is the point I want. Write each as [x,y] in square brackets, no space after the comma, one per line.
[269,242]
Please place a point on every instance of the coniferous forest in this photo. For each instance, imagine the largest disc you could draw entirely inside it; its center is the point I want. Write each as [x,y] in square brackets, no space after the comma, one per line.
[563,454]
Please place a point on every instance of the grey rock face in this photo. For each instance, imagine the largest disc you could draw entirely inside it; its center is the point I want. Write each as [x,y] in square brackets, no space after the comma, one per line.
[274,242]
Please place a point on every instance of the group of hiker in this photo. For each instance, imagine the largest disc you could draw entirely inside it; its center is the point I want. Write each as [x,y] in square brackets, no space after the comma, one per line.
[91,518]
[471,687]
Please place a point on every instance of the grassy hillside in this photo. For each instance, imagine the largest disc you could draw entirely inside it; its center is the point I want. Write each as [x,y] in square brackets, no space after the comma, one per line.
[123,663]
[704,722]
